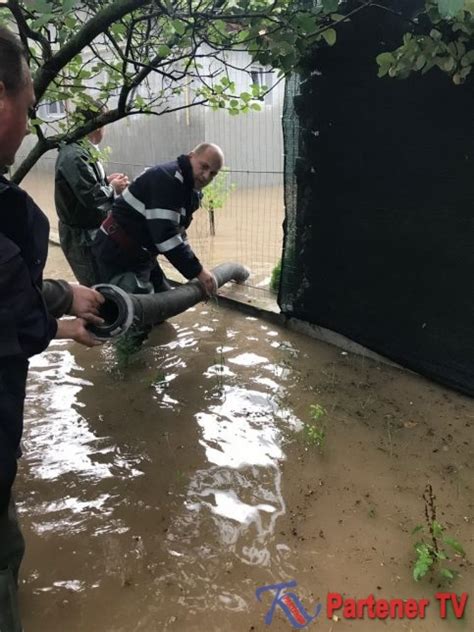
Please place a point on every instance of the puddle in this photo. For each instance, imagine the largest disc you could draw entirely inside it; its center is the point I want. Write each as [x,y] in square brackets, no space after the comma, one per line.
[161,498]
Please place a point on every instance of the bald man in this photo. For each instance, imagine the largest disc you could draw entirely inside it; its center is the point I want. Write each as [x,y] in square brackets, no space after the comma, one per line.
[150,218]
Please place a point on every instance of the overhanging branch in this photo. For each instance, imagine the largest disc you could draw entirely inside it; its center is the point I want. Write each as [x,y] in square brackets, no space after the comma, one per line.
[85,36]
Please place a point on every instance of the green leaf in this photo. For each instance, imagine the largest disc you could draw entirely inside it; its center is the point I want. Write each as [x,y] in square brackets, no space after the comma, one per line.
[330,5]
[118,30]
[329,36]
[423,562]
[449,8]
[179,26]
[70,22]
[43,6]
[306,23]
[468,59]
[164,51]
[455,545]
[437,529]
[435,34]
[317,411]
[44,19]
[420,62]
[68,5]
[448,64]
[448,574]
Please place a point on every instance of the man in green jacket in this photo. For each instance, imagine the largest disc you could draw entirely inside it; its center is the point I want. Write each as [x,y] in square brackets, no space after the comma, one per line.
[83,196]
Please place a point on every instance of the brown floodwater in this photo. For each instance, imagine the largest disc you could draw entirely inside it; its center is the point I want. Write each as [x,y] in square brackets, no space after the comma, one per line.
[160,495]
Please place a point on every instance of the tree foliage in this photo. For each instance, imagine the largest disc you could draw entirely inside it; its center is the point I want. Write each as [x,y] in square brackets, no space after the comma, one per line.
[157,56]
[441,37]
[141,56]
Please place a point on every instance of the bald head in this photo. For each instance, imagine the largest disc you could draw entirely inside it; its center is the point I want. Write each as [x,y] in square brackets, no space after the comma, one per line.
[206,161]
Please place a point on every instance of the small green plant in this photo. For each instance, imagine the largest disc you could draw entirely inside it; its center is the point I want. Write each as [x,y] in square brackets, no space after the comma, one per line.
[127,346]
[435,548]
[220,364]
[215,196]
[315,431]
[159,380]
[275,278]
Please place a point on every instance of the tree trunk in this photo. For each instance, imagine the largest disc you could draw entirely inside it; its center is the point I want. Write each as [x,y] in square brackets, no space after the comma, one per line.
[29,162]
[212,225]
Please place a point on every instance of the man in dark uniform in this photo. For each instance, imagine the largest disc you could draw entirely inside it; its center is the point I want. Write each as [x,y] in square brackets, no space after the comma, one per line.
[83,195]
[28,309]
[150,217]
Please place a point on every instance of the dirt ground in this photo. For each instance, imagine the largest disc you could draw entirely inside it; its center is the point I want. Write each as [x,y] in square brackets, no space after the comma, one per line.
[160,496]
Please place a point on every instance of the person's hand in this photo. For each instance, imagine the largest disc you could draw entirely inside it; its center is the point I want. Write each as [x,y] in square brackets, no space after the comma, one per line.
[112,176]
[75,329]
[119,182]
[208,282]
[86,304]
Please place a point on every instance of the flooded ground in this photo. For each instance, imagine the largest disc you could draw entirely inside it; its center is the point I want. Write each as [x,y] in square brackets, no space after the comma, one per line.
[160,496]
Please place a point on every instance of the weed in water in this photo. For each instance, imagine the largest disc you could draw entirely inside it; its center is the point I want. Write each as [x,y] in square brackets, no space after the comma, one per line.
[435,549]
[220,364]
[159,380]
[315,431]
[126,347]
[180,477]
[275,278]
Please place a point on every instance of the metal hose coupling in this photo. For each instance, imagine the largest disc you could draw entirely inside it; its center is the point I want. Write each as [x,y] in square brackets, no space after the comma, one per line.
[121,310]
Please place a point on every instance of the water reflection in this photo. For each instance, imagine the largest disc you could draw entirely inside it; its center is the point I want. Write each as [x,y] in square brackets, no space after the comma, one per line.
[248,359]
[207,462]
[234,502]
[63,444]
[241,430]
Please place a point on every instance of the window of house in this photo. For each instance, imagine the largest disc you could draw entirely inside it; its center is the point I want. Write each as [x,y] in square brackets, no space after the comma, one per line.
[51,110]
[262,77]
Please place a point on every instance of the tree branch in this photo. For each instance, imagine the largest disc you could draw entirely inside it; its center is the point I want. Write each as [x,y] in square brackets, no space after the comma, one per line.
[26,32]
[89,31]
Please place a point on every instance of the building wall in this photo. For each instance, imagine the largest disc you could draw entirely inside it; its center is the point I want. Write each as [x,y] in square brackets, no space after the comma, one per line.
[252,142]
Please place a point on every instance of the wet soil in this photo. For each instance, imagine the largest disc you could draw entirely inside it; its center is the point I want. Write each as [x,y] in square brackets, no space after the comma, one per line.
[160,495]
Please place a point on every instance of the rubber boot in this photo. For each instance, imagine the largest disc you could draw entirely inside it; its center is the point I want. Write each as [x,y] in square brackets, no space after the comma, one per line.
[9,612]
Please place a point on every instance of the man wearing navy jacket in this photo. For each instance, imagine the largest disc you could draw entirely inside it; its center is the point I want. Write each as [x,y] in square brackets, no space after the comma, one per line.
[28,308]
[150,218]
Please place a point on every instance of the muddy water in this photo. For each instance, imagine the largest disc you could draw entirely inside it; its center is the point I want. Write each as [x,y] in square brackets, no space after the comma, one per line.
[160,495]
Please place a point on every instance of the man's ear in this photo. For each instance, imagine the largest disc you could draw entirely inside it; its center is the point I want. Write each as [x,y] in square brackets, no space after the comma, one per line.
[3,94]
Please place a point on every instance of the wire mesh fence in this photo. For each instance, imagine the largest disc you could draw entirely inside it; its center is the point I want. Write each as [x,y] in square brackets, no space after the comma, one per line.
[247,229]
[248,225]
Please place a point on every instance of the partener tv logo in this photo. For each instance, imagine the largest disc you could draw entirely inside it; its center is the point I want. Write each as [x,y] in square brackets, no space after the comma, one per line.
[349,608]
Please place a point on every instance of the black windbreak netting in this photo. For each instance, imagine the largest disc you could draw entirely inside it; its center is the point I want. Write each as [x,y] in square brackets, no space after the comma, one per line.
[379,193]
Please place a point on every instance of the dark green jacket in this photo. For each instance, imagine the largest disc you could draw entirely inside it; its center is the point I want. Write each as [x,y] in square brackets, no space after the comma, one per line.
[82,196]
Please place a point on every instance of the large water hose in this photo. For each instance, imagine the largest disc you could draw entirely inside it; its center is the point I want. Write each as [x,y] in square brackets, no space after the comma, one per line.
[122,310]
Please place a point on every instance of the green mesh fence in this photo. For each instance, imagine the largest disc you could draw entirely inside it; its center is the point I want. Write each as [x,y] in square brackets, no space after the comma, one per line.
[379,194]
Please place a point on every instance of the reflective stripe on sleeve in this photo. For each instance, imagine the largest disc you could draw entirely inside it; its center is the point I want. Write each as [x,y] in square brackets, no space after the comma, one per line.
[163,213]
[133,201]
[169,244]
